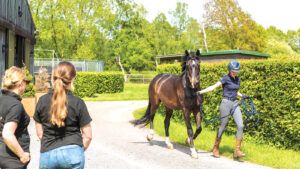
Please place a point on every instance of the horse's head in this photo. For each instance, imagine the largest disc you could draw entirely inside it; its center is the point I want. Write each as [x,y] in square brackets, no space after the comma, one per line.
[193,68]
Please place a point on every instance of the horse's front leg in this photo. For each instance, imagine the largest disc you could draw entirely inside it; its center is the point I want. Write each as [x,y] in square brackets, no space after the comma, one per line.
[190,140]
[197,117]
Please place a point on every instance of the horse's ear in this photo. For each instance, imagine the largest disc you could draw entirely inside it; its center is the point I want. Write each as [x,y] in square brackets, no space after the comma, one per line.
[198,53]
[187,52]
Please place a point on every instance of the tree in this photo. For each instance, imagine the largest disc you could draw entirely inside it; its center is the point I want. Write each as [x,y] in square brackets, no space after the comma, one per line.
[278,49]
[233,25]
[276,34]
[180,17]
[294,40]
[280,44]
[129,40]
[160,34]
[69,27]
[193,35]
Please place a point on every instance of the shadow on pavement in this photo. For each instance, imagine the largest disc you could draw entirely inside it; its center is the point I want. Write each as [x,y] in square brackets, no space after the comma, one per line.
[178,147]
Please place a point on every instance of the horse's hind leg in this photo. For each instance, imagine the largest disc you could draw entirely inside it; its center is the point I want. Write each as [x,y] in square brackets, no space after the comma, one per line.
[169,113]
[197,117]
[154,107]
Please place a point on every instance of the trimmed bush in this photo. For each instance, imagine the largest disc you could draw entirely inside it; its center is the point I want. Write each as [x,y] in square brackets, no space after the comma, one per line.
[30,90]
[275,88]
[110,82]
[86,84]
[89,83]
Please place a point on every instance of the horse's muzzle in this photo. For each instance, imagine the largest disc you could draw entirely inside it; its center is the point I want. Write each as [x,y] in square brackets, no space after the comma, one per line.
[194,84]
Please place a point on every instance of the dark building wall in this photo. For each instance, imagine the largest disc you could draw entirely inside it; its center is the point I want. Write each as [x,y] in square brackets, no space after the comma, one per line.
[3,53]
[16,16]
[17,29]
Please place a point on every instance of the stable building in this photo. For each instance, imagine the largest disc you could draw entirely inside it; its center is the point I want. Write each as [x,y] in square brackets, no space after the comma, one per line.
[17,35]
[216,56]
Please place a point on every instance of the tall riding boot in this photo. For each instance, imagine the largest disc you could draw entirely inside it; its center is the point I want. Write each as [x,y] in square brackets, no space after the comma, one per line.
[237,152]
[216,148]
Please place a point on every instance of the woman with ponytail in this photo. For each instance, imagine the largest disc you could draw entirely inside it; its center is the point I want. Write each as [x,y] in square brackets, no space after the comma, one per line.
[62,122]
[14,137]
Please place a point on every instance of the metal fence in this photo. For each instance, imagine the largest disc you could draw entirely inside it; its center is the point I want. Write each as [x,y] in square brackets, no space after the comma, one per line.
[80,65]
[139,78]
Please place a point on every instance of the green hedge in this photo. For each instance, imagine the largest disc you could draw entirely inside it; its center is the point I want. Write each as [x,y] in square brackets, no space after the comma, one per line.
[89,83]
[110,82]
[275,87]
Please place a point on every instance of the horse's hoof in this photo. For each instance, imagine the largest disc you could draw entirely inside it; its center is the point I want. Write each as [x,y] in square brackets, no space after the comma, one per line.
[170,146]
[150,137]
[194,155]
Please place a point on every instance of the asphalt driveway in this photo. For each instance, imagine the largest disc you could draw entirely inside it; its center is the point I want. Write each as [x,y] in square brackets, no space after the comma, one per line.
[117,144]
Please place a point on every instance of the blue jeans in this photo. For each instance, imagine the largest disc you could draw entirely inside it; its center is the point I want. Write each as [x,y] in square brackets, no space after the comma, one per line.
[65,157]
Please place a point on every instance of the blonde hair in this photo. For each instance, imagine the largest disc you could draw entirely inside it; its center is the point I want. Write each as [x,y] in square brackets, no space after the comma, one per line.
[13,77]
[62,78]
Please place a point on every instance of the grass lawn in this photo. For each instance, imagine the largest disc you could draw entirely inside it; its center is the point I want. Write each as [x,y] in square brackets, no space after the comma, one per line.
[256,153]
[132,91]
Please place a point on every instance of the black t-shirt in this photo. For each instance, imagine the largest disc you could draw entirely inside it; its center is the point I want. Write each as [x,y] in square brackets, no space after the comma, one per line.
[230,86]
[12,110]
[54,137]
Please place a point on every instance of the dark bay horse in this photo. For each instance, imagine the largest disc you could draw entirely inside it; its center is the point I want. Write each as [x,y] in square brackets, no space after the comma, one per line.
[179,93]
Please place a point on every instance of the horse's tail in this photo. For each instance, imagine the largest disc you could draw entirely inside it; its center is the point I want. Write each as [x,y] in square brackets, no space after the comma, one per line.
[143,121]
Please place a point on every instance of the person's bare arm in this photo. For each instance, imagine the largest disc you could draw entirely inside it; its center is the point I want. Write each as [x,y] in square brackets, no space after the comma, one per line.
[210,88]
[86,132]
[12,143]
[39,130]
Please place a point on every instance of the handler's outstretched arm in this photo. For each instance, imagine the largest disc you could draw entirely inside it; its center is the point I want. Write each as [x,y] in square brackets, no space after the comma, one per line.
[210,88]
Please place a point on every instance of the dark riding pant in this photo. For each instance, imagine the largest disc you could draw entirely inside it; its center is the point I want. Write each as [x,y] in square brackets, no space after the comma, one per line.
[11,163]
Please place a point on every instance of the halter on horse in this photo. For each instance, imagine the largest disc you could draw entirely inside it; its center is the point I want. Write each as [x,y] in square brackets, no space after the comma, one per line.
[179,93]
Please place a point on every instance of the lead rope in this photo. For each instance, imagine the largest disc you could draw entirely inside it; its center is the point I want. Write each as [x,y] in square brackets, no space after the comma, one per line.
[248,107]
[252,116]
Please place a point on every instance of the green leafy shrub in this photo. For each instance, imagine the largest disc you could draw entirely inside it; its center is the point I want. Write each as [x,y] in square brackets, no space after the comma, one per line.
[275,88]
[169,68]
[30,90]
[89,83]
[110,82]
[86,84]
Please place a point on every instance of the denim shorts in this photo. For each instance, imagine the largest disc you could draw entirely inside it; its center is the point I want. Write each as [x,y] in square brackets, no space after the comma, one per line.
[65,157]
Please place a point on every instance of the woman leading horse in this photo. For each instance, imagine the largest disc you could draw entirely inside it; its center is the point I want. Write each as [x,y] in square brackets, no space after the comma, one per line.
[176,93]
[229,106]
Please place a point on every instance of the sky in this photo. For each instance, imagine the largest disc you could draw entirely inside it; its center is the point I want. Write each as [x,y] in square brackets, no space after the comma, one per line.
[284,14]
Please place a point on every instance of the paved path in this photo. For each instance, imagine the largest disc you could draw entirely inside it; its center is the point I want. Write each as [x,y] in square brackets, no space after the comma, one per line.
[117,144]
